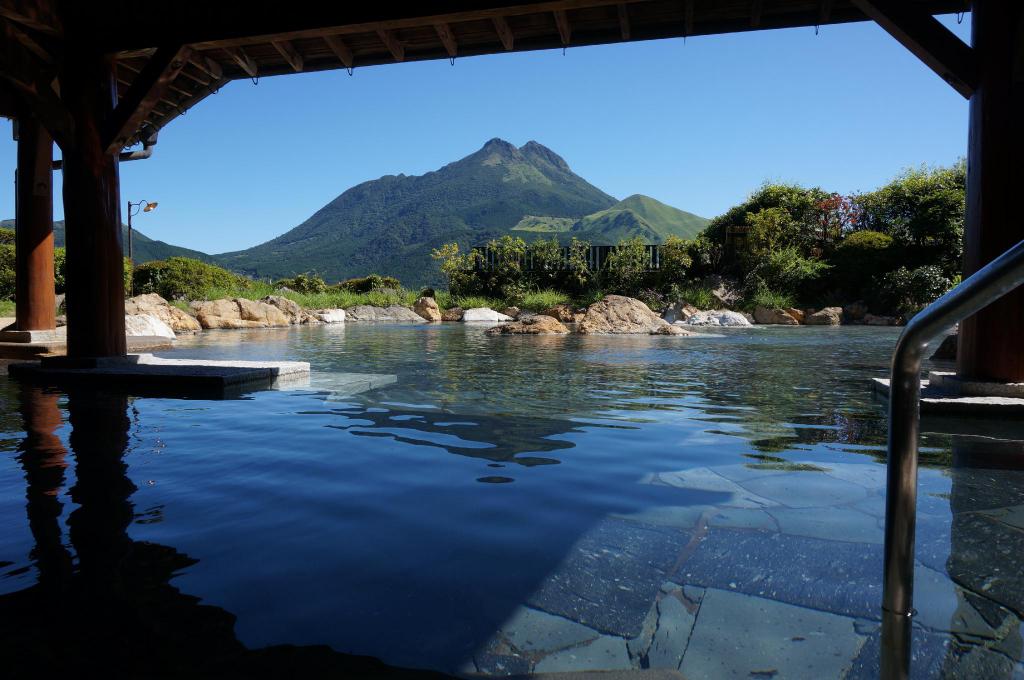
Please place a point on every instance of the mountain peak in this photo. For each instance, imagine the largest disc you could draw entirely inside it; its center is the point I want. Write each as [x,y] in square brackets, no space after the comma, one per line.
[537,151]
[499,145]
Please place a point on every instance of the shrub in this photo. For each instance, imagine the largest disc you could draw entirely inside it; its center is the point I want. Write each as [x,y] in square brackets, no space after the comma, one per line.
[907,291]
[303,283]
[769,299]
[59,269]
[786,271]
[697,294]
[365,284]
[184,278]
[675,260]
[625,269]
[7,236]
[458,268]
[7,271]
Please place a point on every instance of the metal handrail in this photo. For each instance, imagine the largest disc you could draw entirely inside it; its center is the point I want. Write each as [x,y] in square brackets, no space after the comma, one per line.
[984,287]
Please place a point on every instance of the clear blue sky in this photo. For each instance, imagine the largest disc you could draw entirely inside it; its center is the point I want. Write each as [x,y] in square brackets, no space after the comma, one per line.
[697,125]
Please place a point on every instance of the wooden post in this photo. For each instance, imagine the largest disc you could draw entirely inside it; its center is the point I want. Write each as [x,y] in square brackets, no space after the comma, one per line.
[34,294]
[92,213]
[991,344]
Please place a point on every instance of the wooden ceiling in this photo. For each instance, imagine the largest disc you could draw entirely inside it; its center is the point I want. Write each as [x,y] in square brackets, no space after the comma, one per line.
[171,55]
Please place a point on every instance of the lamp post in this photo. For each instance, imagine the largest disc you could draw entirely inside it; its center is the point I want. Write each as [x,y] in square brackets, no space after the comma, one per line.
[145,206]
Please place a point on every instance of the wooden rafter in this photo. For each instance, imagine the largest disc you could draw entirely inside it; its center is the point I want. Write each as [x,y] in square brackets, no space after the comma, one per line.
[391,42]
[444,32]
[244,61]
[36,85]
[624,21]
[504,31]
[207,65]
[564,27]
[688,16]
[290,54]
[39,15]
[755,12]
[931,42]
[43,51]
[342,51]
[824,11]
[149,87]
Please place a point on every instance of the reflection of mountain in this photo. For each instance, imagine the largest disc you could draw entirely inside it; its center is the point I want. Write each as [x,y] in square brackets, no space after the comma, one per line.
[109,610]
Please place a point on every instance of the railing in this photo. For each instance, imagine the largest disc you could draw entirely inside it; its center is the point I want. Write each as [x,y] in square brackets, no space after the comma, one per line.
[595,257]
[990,283]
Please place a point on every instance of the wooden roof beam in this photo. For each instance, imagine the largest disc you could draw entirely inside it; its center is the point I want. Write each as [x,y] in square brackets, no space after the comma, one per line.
[564,28]
[290,54]
[624,21]
[149,87]
[444,32]
[931,42]
[342,51]
[243,60]
[824,11]
[688,13]
[391,42]
[755,13]
[504,31]
[207,65]
[39,15]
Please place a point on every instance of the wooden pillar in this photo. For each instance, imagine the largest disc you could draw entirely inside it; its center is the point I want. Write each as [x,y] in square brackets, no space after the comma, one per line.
[991,345]
[92,213]
[34,219]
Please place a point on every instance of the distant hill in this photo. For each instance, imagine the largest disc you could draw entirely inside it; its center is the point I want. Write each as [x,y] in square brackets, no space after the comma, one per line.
[389,225]
[144,249]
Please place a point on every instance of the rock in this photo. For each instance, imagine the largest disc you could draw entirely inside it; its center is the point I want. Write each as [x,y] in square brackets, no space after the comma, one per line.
[830,316]
[774,316]
[947,350]
[725,291]
[717,317]
[873,320]
[238,313]
[797,314]
[452,314]
[293,310]
[394,313]
[679,311]
[855,311]
[62,320]
[427,292]
[540,324]
[138,325]
[620,314]
[484,314]
[58,302]
[564,313]
[427,308]
[179,320]
[513,312]
[329,315]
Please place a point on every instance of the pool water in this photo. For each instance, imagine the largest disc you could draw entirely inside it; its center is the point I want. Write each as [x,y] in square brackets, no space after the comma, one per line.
[711,504]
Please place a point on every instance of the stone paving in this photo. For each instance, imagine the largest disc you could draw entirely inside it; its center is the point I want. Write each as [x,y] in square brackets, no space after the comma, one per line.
[780,578]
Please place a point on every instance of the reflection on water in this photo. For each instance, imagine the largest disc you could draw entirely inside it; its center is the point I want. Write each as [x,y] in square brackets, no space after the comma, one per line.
[508,505]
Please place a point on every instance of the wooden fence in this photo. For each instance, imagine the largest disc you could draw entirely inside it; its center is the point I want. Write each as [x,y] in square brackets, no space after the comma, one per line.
[596,256]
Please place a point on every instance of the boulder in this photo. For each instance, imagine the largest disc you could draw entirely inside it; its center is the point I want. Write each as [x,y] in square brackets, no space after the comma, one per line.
[146,325]
[427,308]
[874,320]
[564,313]
[774,316]
[513,312]
[725,291]
[679,311]
[717,317]
[179,320]
[830,316]
[293,310]
[797,314]
[394,313]
[329,315]
[620,314]
[855,311]
[947,350]
[238,313]
[452,314]
[539,324]
[484,314]
[427,292]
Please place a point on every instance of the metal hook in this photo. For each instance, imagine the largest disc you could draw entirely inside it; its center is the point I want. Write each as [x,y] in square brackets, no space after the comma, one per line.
[816,27]
[452,59]
[181,111]
[563,50]
[255,80]
[959,17]
[351,71]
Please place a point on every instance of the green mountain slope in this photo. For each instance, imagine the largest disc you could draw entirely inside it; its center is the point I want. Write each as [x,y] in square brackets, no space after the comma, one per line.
[389,225]
[144,248]
[637,215]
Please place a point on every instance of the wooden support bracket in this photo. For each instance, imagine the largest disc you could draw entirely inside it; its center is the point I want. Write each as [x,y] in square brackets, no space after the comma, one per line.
[243,60]
[931,42]
[564,28]
[624,21]
[508,39]
[342,51]
[290,54]
[391,42]
[444,32]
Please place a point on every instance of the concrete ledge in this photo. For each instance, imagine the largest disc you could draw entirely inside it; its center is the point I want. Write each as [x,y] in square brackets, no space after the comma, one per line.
[936,400]
[949,382]
[44,348]
[13,335]
[150,375]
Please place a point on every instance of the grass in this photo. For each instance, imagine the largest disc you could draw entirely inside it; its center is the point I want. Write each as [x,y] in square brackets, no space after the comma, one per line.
[697,295]
[6,308]
[770,300]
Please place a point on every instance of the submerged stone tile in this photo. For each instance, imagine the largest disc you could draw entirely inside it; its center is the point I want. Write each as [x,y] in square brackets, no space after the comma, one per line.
[530,630]
[985,557]
[729,493]
[806,490]
[742,518]
[741,636]
[839,524]
[676,616]
[1012,516]
[832,576]
[679,516]
[936,655]
[612,575]
[604,653]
